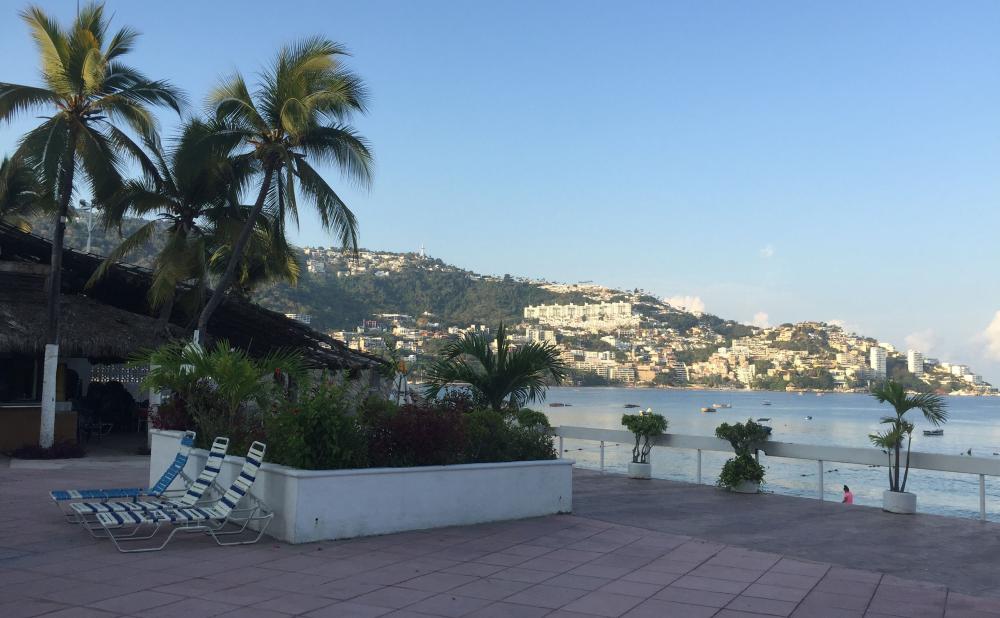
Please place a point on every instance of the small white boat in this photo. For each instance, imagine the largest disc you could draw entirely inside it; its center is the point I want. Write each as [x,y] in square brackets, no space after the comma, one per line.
[809,418]
[722,406]
[934,432]
[765,403]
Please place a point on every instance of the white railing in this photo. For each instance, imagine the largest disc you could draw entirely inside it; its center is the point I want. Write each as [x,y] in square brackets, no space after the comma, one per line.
[962,464]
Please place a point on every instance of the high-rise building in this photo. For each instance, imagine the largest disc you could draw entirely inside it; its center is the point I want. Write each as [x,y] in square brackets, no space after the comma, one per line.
[915,363]
[878,355]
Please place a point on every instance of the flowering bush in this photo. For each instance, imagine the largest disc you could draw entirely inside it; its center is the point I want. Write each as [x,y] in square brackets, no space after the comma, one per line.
[415,435]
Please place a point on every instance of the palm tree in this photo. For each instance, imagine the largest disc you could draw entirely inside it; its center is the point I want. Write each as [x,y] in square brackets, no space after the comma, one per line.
[296,116]
[931,405]
[90,94]
[21,195]
[188,198]
[502,379]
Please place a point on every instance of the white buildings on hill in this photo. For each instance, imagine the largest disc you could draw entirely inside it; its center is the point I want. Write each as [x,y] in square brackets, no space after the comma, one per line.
[878,365]
[915,363]
[600,315]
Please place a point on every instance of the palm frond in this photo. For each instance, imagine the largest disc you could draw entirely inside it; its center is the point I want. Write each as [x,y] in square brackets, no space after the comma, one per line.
[16,99]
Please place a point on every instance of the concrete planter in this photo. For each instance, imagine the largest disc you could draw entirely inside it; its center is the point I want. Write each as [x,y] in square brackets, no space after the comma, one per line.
[899,502]
[640,470]
[746,487]
[314,505]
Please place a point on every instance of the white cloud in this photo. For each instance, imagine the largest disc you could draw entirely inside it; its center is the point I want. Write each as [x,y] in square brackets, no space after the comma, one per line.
[760,320]
[921,341]
[767,252]
[694,304]
[992,337]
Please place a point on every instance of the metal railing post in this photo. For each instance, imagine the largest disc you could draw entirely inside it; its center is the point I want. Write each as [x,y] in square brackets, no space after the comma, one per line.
[699,466]
[820,462]
[982,497]
[602,455]
[561,449]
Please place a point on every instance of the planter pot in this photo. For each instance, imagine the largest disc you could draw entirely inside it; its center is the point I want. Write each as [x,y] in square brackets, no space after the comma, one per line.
[315,505]
[746,487]
[899,502]
[640,470]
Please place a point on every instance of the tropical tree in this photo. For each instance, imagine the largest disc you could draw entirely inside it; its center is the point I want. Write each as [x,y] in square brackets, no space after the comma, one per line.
[21,195]
[92,97]
[504,378]
[188,198]
[296,116]
[899,428]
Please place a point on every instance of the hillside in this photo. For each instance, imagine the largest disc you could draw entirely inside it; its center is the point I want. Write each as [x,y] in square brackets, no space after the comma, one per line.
[417,303]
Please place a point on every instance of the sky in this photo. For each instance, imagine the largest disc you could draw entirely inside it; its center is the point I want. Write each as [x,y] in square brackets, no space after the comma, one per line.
[768,162]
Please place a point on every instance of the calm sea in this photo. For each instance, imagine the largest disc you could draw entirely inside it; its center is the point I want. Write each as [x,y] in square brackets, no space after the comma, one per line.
[837,419]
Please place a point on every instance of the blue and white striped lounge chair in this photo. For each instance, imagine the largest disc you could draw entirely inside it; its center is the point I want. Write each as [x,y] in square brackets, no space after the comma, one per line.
[161,486]
[124,526]
[86,511]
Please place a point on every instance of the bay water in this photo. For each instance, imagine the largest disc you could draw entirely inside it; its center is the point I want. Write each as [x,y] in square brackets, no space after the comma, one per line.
[838,419]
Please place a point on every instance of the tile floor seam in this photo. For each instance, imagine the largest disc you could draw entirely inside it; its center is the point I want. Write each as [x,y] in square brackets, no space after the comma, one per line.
[874,592]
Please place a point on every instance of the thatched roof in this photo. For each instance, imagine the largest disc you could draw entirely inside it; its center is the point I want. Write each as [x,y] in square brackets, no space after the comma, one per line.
[124,289]
[88,328]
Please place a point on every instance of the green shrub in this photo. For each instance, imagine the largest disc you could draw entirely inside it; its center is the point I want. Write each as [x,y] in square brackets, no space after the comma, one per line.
[740,468]
[527,417]
[498,436]
[319,431]
[744,438]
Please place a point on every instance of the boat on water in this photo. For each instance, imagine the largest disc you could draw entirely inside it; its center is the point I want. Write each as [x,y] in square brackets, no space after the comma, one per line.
[722,406]
[763,419]
[809,418]
[632,405]
[765,403]
[934,432]
[767,429]
[708,409]
[556,404]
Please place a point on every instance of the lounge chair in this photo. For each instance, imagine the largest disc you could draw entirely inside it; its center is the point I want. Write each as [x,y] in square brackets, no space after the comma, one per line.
[161,487]
[211,520]
[85,511]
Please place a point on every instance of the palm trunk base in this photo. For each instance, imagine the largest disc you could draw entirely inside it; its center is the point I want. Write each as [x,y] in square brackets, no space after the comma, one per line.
[47,429]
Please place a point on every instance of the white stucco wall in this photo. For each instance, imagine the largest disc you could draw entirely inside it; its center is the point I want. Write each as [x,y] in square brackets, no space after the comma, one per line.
[312,505]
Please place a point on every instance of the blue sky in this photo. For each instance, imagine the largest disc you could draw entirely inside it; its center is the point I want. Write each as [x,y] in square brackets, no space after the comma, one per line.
[822,161]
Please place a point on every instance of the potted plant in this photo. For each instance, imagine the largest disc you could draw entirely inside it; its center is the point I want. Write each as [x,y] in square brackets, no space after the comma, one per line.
[896,499]
[645,426]
[742,473]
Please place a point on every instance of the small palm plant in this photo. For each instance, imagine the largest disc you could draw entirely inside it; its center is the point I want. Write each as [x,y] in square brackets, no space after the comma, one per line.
[899,428]
[504,378]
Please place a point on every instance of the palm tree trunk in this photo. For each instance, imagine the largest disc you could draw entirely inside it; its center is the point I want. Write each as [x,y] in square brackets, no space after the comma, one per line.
[237,254]
[906,474]
[166,310]
[895,486]
[50,367]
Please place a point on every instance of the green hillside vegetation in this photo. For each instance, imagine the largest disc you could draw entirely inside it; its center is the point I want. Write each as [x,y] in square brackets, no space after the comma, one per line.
[453,298]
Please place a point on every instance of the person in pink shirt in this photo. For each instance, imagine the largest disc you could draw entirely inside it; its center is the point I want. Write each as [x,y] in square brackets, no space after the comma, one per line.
[848,496]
